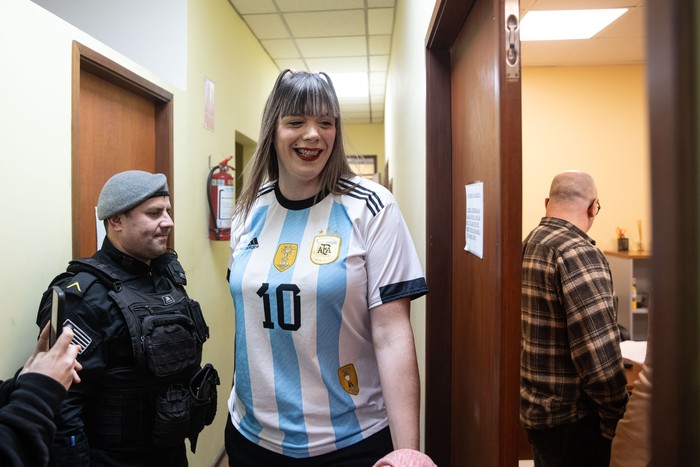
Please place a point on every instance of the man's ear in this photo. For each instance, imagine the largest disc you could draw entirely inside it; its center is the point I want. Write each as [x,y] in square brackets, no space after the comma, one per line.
[593,208]
[115,222]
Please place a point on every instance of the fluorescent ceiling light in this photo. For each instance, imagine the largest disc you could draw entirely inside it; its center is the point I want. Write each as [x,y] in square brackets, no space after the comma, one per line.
[556,25]
[350,84]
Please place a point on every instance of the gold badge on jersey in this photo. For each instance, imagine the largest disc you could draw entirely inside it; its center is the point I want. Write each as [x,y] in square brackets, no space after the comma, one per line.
[348,379]
[325,249]
[286,256]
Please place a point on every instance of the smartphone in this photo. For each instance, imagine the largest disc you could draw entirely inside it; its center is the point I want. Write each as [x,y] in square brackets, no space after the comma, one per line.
[58,303]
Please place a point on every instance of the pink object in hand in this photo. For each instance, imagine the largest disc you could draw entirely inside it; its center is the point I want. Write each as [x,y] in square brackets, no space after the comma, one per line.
[405,458]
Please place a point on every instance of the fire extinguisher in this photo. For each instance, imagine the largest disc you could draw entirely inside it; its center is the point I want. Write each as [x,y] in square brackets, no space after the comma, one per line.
[220,196]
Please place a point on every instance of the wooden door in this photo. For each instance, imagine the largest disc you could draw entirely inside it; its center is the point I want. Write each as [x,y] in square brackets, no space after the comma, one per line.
[120,122]
[473,309]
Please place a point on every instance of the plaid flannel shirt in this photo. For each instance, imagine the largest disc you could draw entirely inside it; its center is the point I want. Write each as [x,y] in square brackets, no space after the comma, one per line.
[570,364]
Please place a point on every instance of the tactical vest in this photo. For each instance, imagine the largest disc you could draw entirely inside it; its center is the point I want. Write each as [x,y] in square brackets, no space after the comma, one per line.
[167,329]
[151,403]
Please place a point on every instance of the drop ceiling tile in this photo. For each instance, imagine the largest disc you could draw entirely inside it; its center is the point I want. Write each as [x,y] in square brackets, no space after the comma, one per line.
[333,47]
[361,107]
[245,7]
[631,24]
[326,23]
[281,48]
[294,64]
[267,26]
[338,65]
[381,3]
[352,103]
[379,45]
[379,63]
[380,20]
[613,51]
[377,77]
[376,89]
[318,5]
[526,5]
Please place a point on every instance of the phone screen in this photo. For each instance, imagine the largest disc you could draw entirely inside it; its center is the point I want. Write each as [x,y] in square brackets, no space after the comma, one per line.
[57,304]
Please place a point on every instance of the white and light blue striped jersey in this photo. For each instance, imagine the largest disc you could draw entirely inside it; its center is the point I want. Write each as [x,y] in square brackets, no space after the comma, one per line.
[304,279]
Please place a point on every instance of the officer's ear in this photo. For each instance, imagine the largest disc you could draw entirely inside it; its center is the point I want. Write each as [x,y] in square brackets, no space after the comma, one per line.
[115,222]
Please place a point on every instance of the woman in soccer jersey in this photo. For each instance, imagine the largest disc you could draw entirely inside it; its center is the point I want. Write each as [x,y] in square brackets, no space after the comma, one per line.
[322,270]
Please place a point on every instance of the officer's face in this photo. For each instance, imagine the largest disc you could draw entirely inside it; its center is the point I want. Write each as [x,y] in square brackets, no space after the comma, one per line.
[143,231]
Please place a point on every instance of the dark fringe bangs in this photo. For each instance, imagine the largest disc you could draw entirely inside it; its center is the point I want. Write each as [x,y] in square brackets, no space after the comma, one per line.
[309,96]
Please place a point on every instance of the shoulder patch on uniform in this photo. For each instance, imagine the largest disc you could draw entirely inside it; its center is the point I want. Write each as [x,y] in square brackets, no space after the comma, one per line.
[79,283]
[80,337]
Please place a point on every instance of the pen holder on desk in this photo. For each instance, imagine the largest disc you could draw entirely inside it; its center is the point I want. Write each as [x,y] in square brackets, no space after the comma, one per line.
[623,244]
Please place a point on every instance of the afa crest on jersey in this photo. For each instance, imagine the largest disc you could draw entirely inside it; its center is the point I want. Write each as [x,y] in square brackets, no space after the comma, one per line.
[325,249]
[348,379]
[286,256]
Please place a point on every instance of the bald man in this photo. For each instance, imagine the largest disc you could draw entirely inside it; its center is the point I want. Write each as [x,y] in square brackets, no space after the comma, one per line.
[572,379]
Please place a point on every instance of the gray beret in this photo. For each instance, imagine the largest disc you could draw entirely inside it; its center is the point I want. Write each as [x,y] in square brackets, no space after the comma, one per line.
[126,190]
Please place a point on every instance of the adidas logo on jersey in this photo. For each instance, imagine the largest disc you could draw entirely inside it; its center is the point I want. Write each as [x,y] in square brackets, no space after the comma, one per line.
[253,244]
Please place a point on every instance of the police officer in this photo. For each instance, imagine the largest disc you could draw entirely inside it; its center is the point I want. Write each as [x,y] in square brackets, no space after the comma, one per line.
[140,335]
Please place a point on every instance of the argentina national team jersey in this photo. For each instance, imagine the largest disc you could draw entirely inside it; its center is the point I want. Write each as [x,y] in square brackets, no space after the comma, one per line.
[304,279]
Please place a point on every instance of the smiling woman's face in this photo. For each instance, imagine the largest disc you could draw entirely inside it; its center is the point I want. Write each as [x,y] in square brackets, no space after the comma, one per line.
[303,144]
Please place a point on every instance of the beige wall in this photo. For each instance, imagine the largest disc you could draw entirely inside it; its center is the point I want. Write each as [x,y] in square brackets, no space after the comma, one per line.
[35,153]
[592,119]
[366,139]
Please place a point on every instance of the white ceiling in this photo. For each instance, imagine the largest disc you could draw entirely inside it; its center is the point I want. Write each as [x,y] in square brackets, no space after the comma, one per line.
[339,36]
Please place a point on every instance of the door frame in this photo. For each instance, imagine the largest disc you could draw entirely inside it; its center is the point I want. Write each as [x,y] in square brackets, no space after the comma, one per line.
[673,67]
[88,60]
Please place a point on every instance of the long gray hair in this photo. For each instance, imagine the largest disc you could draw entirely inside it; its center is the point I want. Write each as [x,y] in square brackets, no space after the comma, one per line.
[294,93]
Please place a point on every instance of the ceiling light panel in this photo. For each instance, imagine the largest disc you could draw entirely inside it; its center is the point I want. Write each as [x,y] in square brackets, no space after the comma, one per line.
[566,24]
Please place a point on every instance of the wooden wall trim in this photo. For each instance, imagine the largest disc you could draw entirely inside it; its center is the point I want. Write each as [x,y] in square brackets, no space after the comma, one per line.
[446,23]
[511,221]
[438,409]
[113,72]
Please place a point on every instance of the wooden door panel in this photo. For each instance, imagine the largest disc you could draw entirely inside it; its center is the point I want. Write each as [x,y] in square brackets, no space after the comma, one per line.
[484,293]
[477,287]
[117,132]
[120,122]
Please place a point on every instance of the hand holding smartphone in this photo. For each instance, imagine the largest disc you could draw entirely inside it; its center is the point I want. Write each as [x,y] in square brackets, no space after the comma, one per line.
[58,301]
